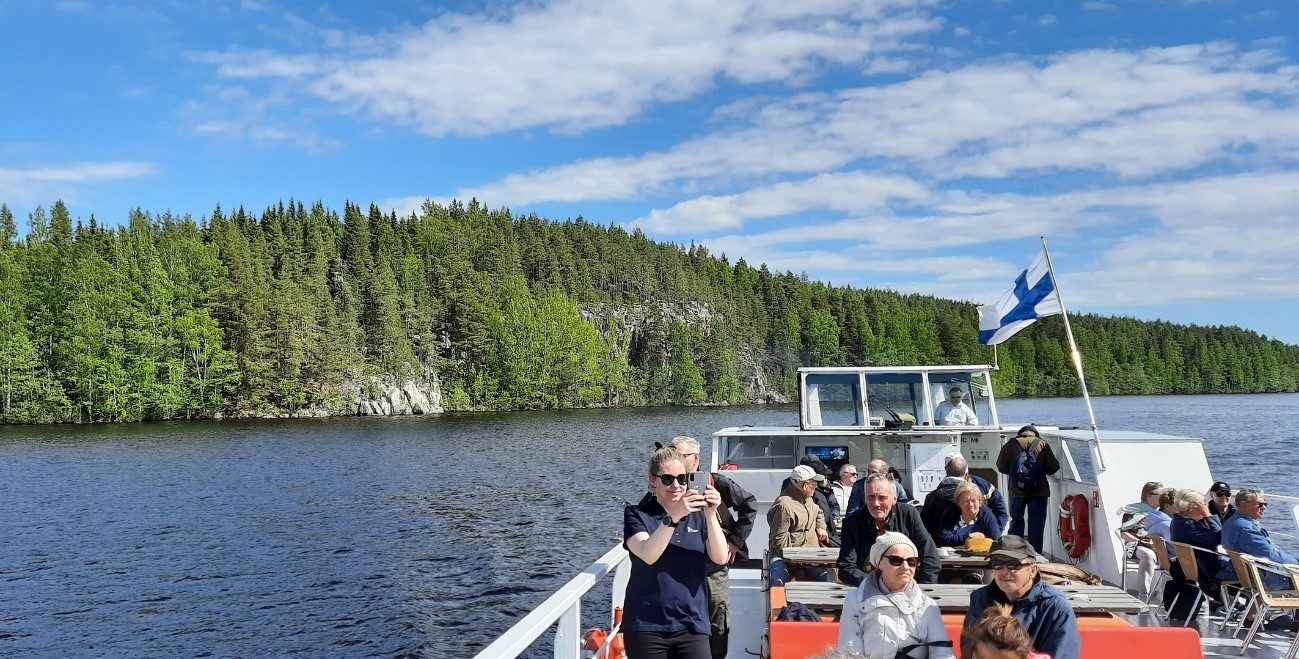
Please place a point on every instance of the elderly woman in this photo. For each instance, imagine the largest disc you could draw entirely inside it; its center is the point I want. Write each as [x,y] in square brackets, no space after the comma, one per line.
[886,615]
[1196,526]
[969,516]
[671,537]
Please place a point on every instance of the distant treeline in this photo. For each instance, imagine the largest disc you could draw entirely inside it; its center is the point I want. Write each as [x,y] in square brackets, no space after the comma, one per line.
[296,309]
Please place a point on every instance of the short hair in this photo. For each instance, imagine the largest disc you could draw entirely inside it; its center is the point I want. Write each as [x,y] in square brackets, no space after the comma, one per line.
[1187,498]
[1168,498]
[875,462]
[956,389]
[682,441]
[874,477]
[663,456]
[956,465]
[1149,488]
[1246,494]
[1000,629]
[967,489]
[845,466]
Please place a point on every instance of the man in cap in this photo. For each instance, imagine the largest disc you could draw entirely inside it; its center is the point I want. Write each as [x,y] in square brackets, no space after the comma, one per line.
[1220,500]
[736,528]
[795,520]
[954,411]
[883,512]
[1043,609]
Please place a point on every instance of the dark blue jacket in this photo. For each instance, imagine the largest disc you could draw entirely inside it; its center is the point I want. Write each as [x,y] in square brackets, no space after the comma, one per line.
[1043,610]
[951,536]
[943,498]
[1205,534]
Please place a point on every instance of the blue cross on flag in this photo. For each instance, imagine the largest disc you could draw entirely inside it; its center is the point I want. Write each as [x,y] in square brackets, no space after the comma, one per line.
[1033,296]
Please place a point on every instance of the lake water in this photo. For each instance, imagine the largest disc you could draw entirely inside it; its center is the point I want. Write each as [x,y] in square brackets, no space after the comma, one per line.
[391,537]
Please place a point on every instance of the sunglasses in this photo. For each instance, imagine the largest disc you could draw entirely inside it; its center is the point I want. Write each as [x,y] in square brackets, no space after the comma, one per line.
[668,479]
[1261,504]
[1005,565]
[897,561]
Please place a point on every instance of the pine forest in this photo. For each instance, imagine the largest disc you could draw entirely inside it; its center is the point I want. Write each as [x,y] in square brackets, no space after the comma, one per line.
[299,310]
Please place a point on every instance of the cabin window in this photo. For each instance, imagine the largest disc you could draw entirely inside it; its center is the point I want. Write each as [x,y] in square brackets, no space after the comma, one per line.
[974,386]
[895,397]
[831,400]
[758,452]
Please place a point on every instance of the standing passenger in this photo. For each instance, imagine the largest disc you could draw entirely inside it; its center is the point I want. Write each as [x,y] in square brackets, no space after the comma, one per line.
[737,531]
[671,538]
[1028,461]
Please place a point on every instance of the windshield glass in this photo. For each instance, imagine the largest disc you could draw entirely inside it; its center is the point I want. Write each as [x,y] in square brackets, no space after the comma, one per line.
[895,397]
[960,399]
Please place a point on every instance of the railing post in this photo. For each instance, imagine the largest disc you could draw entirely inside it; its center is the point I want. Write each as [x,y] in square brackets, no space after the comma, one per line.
[568,634]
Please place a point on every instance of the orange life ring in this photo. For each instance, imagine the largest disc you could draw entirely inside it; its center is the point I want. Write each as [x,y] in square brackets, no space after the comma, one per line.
[1075,525]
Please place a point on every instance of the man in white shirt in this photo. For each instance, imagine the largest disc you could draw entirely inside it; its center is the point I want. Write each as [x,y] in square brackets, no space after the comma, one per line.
[842,490]
[954,411]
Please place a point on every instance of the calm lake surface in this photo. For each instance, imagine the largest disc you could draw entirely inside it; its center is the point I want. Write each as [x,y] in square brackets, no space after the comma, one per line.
[392,537]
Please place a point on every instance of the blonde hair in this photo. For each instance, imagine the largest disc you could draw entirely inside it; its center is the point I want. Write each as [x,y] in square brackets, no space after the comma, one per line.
[663,456]
[1187,498]
[967,489]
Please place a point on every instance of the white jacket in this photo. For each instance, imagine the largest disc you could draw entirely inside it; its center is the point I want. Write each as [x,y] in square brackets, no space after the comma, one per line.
[878,624]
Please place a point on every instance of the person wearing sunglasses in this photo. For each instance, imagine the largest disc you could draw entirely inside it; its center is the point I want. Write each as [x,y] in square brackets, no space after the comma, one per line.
[1220,500]
[672,538]
[1244,533]
[887,615]
[1042,608]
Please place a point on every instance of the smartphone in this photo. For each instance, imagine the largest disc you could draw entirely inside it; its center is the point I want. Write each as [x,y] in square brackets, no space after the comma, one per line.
[698,481]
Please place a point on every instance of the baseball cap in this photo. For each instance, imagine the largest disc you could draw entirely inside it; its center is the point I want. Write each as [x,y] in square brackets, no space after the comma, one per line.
[804,473]
[1220,486]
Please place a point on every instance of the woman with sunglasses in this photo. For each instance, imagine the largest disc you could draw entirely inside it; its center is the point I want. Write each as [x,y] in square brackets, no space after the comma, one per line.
[671,537]
[887,615]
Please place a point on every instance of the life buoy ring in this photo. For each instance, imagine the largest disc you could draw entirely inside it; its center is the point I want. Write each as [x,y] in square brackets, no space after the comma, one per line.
[1075,525]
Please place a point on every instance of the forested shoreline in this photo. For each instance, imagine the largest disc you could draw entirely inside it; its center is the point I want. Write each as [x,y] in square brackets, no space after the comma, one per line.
[300,309]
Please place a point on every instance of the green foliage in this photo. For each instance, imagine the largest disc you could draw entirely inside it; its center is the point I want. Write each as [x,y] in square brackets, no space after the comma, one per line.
[241,314]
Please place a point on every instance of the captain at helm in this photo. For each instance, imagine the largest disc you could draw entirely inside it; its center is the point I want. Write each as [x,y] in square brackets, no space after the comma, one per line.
[954,411]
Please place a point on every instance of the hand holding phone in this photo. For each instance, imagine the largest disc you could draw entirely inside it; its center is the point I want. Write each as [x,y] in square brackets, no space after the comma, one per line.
[697,481]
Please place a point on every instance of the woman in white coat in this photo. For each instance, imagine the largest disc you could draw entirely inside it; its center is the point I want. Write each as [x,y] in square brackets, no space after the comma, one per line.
[887,616]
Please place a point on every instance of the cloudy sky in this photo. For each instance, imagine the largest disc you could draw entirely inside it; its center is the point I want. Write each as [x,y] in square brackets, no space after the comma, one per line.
[915,145]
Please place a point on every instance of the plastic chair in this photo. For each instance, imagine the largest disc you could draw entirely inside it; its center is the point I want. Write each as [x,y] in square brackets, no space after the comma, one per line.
[1276,600]
[1191,569]
[1129,562]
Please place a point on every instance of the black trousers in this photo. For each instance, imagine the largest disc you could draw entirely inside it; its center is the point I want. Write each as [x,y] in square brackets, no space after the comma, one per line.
[653,645]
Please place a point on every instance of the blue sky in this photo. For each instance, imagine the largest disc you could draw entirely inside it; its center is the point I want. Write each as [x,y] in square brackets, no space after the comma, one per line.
[920,146]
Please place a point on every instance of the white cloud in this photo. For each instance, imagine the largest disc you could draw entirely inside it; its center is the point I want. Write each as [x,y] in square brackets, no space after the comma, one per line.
[1135,114]
[575,65]
[39,184]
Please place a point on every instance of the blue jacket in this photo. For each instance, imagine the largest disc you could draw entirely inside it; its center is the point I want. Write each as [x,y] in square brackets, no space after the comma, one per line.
[949,535]
[1244,534]
[1206,534]
[943,498]
[1044,611]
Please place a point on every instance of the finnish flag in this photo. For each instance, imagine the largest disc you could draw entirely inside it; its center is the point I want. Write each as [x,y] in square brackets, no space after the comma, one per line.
[1033,296]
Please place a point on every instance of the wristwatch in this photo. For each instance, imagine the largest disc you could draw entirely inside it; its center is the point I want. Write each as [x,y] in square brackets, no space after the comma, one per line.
[667,521]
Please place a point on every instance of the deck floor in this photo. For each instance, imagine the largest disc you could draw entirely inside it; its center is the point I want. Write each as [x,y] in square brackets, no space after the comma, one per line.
[749,611]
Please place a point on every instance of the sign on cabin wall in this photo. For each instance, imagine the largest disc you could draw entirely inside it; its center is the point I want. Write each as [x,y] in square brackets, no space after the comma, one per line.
[927,470]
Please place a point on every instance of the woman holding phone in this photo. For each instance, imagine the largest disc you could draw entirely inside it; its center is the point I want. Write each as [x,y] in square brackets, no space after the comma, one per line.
[671,537]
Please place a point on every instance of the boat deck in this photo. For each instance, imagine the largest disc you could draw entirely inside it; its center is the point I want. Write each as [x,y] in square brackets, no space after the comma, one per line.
[749,615]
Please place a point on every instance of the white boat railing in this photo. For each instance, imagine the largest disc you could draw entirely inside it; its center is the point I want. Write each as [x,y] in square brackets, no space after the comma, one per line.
[565,607]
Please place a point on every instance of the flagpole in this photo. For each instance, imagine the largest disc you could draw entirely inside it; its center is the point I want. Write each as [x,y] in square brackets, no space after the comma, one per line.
[1074,354]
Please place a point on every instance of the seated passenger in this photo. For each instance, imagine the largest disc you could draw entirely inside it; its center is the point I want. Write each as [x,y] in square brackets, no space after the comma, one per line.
[875,467]
[1220,500]
[823,496]
[943,498]
[1244,533]
[1042,609]
[1160,522]
[883,512]
[1136,535]
[887,615]
[969,516]
[1000,635]
[954,411]
[794,520]
[1194,526]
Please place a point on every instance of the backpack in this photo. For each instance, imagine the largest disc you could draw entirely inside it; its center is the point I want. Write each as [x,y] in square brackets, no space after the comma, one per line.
[1028,475]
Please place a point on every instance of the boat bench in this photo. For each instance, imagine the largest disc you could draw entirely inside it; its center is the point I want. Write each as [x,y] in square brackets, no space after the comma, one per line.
[1103,636]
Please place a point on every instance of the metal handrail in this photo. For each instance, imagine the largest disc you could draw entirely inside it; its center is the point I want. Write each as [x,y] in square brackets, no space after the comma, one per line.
[563,607]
